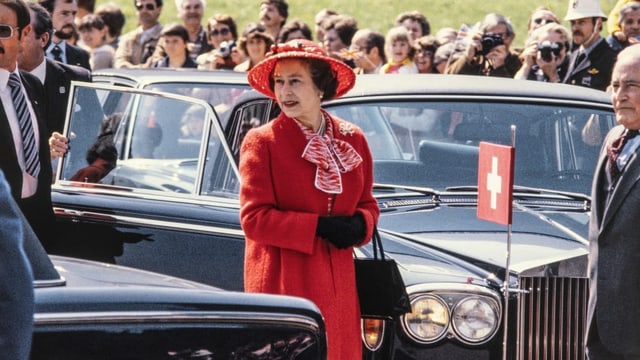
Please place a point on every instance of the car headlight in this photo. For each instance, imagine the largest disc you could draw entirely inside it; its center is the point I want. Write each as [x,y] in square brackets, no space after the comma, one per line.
[475,319]
[428,320]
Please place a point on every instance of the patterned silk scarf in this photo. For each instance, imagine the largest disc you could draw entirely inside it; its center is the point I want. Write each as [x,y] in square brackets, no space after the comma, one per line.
[331,156]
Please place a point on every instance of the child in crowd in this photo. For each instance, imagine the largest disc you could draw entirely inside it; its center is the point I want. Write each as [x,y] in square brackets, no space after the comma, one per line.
[399,50]
[93,33]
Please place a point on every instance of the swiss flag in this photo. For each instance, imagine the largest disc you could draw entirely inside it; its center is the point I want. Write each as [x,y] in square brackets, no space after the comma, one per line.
[495,182]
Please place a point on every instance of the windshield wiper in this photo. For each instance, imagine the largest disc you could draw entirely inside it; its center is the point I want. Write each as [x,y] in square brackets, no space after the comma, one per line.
[415,189]
[523,191]
[392,196]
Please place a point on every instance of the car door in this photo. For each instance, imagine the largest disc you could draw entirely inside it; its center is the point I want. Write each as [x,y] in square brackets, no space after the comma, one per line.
[149,182]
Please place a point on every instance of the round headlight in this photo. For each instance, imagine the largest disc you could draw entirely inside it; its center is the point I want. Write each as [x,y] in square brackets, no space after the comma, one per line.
[475,319]
[428,320]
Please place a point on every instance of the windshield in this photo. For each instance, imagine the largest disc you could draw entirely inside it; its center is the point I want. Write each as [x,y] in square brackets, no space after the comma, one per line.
[435,144]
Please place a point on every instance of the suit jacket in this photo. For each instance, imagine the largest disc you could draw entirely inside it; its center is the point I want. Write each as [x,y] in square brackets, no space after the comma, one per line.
[37,208]
[56,86]
[134,51]
[16,307]
[614,254]
[77,56]
[595,71]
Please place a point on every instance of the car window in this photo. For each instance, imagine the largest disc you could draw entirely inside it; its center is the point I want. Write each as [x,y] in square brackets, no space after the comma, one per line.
[246,118]
[147,141]
[435,144]
[220,96]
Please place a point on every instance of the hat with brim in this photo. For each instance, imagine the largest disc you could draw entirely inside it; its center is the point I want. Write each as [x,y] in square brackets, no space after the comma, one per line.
[581,9]
[260,74]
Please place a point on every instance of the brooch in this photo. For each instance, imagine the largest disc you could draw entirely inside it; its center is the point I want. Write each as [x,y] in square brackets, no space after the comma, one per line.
[593,71]
[346,128]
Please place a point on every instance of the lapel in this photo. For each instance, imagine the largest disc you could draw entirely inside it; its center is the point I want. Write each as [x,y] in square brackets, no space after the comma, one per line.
[36,101]
[628,179]
[72,55]
[585,64]
[571,67]
[6,138]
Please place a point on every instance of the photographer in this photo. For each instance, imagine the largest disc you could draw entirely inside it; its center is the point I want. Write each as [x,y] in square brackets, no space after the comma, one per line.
[544,57]
[222,33]
[488,51]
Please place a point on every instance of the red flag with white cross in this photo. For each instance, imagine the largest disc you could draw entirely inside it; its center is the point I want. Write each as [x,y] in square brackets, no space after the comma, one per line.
[495,182]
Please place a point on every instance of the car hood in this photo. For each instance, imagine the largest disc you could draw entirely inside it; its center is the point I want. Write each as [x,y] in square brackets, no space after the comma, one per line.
[539,238]
[95,286]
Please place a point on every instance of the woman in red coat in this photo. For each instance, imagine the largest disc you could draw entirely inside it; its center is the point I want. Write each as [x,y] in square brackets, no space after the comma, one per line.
[306,194]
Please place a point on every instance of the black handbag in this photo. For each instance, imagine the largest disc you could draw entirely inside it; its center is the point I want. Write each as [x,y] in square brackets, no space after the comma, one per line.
[381,290]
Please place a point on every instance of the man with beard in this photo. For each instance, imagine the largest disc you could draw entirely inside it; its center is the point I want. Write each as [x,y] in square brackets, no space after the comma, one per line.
[190,12]
[55,76]
[137,47]
[63,14]
[591,63]
[273,15]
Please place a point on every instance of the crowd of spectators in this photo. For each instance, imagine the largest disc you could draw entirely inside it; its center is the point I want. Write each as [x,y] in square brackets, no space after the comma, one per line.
[550,53]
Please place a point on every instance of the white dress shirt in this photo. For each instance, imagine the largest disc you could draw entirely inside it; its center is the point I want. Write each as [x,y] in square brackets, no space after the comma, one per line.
[29,183]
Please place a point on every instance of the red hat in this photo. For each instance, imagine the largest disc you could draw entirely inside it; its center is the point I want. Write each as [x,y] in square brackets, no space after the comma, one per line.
[260,74]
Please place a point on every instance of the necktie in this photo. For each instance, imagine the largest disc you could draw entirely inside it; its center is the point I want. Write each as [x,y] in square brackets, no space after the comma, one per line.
[29,146]
[573,66]
[57,53]
[614,149]
[580,59]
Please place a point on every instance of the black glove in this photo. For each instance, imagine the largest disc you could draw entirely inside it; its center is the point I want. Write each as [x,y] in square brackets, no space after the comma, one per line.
[342,231]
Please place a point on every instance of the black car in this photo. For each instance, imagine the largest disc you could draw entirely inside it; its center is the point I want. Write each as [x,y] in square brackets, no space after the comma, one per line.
[176,211]
[91,310]
[219,88]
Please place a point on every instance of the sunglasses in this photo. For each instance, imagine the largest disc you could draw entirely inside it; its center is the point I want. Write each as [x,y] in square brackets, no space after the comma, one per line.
[543,21]
[148,6]
[6,31]
[223,32]
[424,52]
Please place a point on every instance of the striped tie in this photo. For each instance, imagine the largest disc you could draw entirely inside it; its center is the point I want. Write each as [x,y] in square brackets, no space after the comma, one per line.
[29,146]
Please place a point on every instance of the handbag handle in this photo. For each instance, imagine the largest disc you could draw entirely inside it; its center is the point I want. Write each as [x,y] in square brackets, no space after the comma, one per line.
[377,243]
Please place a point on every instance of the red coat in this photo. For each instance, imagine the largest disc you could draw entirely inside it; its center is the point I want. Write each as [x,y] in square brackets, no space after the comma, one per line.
[279,213]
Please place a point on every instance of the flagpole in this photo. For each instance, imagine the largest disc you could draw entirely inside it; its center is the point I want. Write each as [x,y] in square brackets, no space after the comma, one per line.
[507,271]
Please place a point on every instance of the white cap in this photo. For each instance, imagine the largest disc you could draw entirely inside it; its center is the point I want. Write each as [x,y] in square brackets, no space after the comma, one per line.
[580,9]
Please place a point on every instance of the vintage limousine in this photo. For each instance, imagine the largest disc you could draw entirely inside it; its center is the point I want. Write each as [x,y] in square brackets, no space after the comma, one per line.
[166,200]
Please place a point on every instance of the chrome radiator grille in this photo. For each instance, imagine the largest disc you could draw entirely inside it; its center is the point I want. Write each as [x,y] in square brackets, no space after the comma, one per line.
[552,318]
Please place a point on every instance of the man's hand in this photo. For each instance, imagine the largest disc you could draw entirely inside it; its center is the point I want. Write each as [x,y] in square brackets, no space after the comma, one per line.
[58,145]
[498,56]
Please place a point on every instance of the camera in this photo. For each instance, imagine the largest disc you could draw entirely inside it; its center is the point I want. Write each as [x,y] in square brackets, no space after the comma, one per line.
[547,48]
[226,47]
[490,41]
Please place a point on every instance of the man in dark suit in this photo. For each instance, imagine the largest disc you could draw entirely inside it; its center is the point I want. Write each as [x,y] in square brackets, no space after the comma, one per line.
[613,316]
[63,14]
[591,62]
[55,76]
[16,280]
[31,189]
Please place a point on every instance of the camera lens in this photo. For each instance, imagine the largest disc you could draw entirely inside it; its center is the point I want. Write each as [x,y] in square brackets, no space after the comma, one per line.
[489,42]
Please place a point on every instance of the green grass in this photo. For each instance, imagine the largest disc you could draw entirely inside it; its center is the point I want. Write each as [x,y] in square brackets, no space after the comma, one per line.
[379,14]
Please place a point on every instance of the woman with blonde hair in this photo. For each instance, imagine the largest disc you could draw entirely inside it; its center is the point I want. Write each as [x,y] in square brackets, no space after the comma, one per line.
[544,57]
[399,50]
